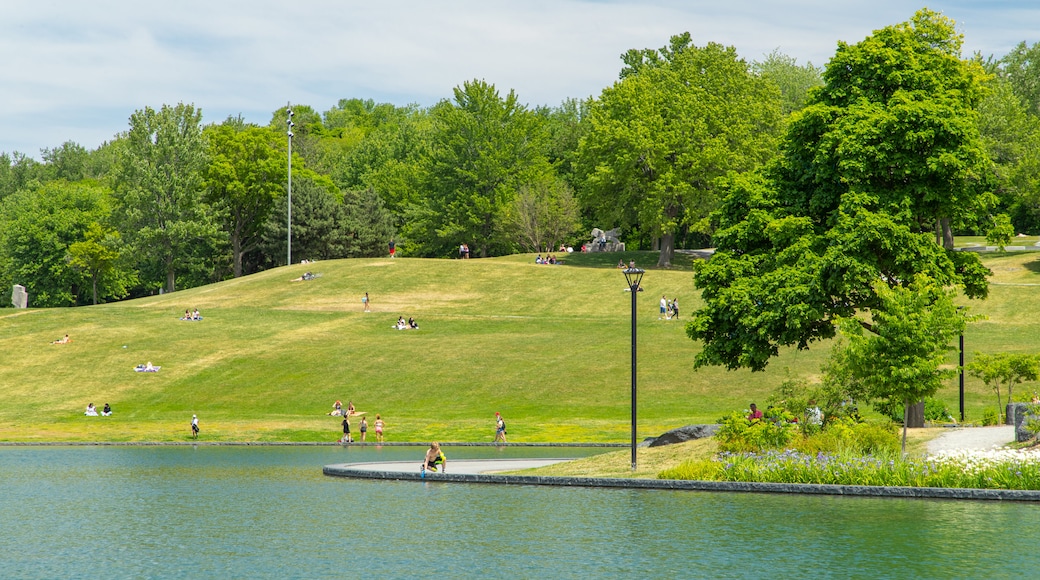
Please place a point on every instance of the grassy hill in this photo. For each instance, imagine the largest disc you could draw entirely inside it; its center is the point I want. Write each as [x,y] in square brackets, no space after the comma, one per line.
[548,346]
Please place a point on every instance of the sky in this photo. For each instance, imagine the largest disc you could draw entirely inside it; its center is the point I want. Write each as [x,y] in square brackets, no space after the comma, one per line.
[76,71]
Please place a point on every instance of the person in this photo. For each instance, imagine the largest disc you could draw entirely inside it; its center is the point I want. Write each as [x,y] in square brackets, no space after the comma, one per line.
[194,427]
[401,324]
[465,251]
[149,367]
[603,243]
[500,428]
[379,428]
[675,307]
[350,407]
[412,323]
[91,411]
[365,302]
[664,306]
[63,340]
[393,248]
[187,314]
[337,409]
[364,429]
[462,251]
[620,264]
[538,259]
[195,315]
[107,411]
[434,457]
[584,249]
[631,264]
[813,415]
[346,430]
[755,415]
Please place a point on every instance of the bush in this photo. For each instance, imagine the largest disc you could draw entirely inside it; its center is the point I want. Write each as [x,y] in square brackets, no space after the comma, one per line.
[849,436]
[737,434]
[990,417]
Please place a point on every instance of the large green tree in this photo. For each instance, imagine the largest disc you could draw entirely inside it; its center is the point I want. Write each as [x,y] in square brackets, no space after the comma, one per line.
[678,119]
[883,153]
[245,174]
[484,148]
[793,80]
[160,189]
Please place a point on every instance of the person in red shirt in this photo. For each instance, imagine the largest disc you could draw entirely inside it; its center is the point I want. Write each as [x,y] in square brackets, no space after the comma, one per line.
[755,413]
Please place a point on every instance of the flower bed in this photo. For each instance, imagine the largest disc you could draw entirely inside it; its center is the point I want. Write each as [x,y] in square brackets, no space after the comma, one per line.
[996,469]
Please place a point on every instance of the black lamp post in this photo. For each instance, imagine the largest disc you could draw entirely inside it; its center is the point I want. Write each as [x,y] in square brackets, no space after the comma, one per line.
[633,276]
[959,309]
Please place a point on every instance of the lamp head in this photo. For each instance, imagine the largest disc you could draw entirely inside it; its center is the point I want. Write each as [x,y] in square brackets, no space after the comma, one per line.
[633,276]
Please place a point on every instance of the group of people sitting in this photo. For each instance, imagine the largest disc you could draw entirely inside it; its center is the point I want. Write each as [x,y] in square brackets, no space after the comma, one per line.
[402,325]
[93,412]
[548,259]
[339,411]
[192,315]
[147,368]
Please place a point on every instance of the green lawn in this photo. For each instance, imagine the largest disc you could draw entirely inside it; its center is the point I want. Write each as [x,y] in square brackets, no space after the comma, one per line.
[548,346]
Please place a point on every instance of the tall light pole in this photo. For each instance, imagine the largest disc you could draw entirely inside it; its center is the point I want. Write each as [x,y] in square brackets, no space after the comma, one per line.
[633,276]
[290,125]
[961,366]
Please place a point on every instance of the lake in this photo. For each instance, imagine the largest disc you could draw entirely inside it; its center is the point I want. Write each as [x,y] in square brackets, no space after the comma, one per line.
[268,512]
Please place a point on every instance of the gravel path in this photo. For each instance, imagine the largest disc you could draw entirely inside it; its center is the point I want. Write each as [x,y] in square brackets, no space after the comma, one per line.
[972,438]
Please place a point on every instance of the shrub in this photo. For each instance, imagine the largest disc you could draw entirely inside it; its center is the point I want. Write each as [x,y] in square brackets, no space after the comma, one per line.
[737,434]
[990,417]
[847,435]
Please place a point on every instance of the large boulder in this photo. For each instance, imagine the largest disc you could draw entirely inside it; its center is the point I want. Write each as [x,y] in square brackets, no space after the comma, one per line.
[1023,414]
[687,433]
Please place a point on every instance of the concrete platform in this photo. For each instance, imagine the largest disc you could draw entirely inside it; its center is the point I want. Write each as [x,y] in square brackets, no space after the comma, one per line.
[461,466]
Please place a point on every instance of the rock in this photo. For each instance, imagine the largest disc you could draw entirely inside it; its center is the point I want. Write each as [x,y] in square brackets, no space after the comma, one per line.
[686,433]
[1023,415]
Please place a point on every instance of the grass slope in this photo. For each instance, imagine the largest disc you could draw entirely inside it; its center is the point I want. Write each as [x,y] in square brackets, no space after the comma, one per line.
[548,346]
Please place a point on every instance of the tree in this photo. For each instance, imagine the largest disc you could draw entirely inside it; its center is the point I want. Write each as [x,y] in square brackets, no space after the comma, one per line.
[98,255]
[794,81]
[1004,369]
[546,214]
[885,151]
[159,187]
[318,228]
[902,358]
[38,228]
[1021,67]
[245,174]
[678,119]
[484,148]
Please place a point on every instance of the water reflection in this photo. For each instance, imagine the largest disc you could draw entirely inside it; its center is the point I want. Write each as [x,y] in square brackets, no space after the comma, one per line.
[159,512]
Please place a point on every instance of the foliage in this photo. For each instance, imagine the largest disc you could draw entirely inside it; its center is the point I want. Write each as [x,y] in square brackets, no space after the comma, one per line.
[738,433]
[794,81]
[99,256]
[679,118]
[38,228]
[990,417]
[1000,232]
[1002,469]
[159,187]
[817,238]
[546,214]
[1004,370]
[244,176]
[484,148]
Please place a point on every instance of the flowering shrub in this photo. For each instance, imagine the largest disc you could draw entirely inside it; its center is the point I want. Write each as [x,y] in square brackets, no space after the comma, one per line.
[997,469]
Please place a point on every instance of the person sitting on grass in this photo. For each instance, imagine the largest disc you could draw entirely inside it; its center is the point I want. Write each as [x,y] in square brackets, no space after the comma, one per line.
[91,411]
[63,340]
[337,409]
[434,457]
[401,324]
[412,323]
[107,411]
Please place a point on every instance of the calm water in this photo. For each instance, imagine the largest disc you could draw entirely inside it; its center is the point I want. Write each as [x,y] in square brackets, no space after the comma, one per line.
[268,512]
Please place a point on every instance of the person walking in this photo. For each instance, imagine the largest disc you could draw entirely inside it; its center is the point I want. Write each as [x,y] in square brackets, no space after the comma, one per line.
[364,429]
[365,301]
[194,427]
[346,430]
[675,307]
[664,307]
[393,248]
[500,428]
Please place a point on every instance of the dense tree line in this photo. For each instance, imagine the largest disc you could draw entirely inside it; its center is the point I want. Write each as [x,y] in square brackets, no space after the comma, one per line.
[171,203]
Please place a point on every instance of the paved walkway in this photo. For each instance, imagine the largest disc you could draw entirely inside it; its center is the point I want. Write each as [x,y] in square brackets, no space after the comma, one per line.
[465,466]
[972,438]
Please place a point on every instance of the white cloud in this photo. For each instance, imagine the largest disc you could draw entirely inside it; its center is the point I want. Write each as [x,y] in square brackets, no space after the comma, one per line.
[77,70]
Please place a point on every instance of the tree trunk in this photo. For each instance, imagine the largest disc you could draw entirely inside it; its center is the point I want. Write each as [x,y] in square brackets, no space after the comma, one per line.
[236,252]
[667,250]
[906,419]
[93,280]
[947,233]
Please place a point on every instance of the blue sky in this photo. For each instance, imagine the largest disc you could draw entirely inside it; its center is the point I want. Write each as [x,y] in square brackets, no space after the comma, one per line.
[77,70]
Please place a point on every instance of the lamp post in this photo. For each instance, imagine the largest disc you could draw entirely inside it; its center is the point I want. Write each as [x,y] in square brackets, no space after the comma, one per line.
[288,241]
[961,367]
[633,276]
